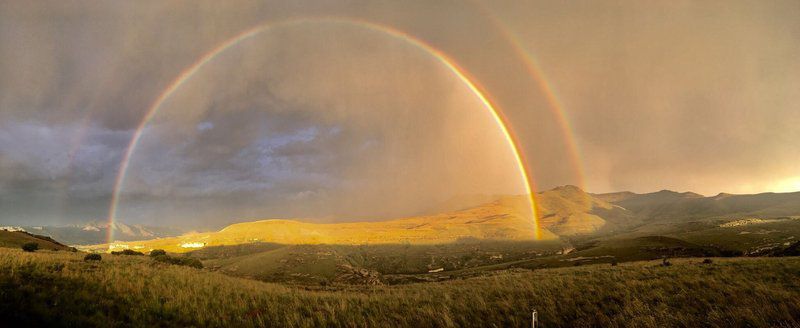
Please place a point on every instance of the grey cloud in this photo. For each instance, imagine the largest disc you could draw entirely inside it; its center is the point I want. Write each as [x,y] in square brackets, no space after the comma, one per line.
[336,122]
[56,173]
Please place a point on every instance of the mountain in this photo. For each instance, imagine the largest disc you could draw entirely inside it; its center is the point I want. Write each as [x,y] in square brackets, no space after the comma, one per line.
[16,239]
[669,205]
[568,210]
[498,220]
[614,196]
[97,232]
[563,211]
[460,202]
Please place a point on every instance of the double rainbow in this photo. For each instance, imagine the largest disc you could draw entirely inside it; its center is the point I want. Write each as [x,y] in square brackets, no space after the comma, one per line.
[451,65]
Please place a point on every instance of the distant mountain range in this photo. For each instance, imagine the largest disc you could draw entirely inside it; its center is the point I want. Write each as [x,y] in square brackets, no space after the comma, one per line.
[565,211]
[97,232]
[666,205]
[568,210]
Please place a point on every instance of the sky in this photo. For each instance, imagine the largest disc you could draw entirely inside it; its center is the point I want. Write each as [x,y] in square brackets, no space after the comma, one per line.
[340,114]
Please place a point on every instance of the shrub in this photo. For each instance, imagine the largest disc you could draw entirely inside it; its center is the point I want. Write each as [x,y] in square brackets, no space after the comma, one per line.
[665,262]
[92,257]
[157,252]
[30,247]
[194,263]
[707,261]
[185,261]
[127,252]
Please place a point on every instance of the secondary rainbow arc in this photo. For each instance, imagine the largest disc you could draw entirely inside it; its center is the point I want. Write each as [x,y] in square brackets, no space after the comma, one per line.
[535,72]
[451,65]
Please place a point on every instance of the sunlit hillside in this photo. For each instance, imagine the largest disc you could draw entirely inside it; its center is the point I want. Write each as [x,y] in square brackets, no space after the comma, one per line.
[563,211]
[568,210]
[499,220]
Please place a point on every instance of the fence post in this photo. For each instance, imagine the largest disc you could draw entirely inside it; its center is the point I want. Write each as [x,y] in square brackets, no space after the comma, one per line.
[533,318]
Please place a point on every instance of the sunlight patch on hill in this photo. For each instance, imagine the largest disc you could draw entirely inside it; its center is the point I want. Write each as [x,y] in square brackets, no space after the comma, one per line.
[499,220]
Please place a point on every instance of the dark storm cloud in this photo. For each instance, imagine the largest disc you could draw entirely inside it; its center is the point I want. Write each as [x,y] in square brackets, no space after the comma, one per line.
[45,177]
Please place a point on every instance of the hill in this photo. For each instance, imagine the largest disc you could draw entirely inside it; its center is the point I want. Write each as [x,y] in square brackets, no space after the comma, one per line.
[614,196]
[499,220]
[59,289]
[15,239]
[563,211]
[568,211]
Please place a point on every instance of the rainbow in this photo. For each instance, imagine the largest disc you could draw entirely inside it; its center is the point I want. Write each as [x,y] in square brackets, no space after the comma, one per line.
[189,72]
[534,70]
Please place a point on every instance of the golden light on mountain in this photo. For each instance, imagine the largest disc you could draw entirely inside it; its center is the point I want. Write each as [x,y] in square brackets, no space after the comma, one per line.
[504,219]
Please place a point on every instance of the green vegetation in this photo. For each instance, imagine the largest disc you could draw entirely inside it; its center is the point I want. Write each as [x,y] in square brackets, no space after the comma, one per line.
[58,289]
[30,247]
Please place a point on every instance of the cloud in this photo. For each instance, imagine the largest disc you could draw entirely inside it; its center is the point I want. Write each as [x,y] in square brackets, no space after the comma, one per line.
[57,173]
[336,122]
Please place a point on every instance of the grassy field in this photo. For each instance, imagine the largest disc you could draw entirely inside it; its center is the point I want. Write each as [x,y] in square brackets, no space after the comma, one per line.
[60,289]
[322,264]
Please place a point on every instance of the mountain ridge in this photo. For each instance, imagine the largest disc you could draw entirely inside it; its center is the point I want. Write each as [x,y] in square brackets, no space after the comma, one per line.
[564,211]
[96,232]
[671,205]
[499,220]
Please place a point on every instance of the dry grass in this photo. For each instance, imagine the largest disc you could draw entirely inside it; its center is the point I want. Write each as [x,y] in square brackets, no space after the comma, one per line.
[58,288]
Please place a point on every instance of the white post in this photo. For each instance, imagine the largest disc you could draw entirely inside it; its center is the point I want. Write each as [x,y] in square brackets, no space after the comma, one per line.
[533,318]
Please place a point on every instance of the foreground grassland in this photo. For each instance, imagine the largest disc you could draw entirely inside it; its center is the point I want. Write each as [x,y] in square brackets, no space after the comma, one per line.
[60,289]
